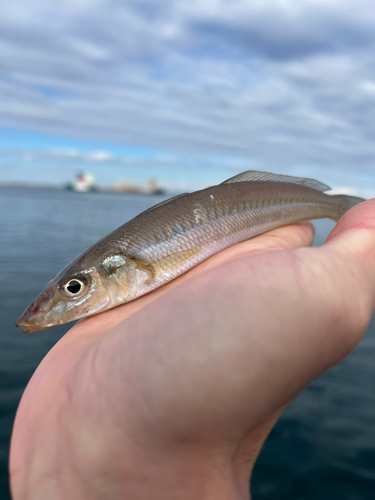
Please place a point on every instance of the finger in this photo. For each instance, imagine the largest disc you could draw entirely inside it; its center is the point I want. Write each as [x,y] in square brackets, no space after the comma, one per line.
[354,234]
[265,324]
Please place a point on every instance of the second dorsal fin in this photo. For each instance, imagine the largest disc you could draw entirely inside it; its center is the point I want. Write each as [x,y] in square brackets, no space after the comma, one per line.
[254,175]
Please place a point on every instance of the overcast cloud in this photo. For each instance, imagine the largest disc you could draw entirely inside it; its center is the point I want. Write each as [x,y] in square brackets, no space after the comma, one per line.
[287,84]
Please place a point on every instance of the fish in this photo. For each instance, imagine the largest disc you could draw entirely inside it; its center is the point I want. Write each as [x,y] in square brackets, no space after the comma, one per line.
[172,237]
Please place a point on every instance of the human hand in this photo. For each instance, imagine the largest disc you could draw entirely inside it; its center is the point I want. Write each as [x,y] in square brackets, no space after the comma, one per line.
[172,395]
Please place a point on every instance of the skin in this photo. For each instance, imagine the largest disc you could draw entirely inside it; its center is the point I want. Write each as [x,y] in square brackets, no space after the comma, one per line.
[171,396]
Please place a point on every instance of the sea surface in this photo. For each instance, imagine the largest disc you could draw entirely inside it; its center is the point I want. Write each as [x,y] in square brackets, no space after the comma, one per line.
[322,448]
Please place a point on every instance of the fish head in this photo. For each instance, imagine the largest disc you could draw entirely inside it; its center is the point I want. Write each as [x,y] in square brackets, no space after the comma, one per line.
[82,289]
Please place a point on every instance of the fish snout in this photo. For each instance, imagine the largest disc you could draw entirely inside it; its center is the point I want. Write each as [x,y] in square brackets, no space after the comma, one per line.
[26,326]
[33,319]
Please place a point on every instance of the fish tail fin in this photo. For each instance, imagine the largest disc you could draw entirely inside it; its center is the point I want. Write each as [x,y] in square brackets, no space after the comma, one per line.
[345,203]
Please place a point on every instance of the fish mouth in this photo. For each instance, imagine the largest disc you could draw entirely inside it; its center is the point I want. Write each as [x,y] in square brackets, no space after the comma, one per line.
[37,316]
[28,328]
[33,319]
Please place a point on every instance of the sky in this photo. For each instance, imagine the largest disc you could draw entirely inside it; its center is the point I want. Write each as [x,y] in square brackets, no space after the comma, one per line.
[191,92]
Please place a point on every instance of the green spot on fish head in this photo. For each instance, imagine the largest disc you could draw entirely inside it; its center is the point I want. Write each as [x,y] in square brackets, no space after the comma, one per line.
[113,262]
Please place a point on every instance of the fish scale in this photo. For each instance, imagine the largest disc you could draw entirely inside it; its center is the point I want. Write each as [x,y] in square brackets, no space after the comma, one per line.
[244,219]
[169,239]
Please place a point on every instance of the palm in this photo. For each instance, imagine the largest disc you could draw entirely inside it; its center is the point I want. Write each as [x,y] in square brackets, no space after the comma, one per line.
[178,389]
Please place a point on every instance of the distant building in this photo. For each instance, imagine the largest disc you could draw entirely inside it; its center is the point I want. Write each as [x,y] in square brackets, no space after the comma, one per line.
[124,187]
[83,183]
[153,188]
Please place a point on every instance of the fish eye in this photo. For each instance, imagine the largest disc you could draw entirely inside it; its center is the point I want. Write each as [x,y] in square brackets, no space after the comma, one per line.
[73,286]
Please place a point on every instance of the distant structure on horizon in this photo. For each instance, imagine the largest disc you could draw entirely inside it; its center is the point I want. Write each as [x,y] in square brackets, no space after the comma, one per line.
[152,188]
[83,183]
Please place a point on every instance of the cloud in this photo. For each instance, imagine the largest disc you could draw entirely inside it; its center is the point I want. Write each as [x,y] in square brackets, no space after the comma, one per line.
[286,29]
[282,84]
[99,156]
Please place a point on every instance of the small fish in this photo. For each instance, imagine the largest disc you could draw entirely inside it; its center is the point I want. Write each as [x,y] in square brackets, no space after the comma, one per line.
[170,238]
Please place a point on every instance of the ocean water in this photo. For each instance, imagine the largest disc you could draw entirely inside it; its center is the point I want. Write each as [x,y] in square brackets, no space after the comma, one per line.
[323,447]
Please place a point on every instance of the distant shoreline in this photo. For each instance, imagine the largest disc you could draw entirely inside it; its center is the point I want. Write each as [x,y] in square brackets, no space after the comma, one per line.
[53,187]
[29,186]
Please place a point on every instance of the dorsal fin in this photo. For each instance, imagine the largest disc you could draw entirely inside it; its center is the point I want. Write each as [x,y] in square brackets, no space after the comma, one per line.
[164,203]
[254,175]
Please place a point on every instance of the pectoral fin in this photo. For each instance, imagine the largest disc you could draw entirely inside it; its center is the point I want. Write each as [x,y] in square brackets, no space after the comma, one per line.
[174,259]
[164,264]
[159,266]
[143,265]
